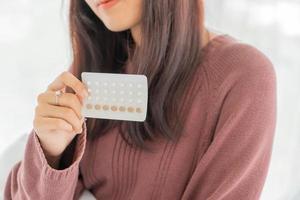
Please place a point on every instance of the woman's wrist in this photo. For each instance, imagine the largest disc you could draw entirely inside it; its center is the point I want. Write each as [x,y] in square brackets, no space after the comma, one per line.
[53,161]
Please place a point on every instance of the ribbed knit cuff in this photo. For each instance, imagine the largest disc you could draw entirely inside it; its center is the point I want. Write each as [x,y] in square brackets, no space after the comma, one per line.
[70,171]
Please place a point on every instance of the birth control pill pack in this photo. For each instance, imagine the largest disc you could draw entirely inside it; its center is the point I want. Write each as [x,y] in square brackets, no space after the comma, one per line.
[115,96]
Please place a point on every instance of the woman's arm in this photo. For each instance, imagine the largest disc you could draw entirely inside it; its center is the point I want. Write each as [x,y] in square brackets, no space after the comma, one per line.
[34,178]
[236,163]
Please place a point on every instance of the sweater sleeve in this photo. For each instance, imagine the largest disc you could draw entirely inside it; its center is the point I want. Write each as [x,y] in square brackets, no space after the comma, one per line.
[236,162]
[34,178]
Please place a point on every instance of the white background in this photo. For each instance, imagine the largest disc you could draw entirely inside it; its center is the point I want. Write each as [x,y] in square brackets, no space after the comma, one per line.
[34,49]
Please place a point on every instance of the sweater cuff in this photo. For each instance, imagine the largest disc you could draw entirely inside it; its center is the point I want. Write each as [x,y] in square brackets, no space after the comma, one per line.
[73,169]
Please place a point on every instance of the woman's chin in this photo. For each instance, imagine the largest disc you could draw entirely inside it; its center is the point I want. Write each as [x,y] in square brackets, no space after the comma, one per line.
[115,28]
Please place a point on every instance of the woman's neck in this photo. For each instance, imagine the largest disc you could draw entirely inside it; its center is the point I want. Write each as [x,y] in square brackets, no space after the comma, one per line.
[136,34]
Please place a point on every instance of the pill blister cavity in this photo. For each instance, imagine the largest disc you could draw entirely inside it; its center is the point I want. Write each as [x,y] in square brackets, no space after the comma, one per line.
[97,107]
[130,109]
[89,106]
[105,107]
[122,108]
[114,108]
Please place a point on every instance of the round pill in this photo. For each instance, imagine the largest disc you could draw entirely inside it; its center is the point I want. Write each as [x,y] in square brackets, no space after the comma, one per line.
[89,106]
[122,108]
[97,107]
[105,107]
[138,110]
[130,109]
[114,108]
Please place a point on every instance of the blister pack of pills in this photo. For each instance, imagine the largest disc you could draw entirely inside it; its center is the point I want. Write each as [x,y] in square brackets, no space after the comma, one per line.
[115,96]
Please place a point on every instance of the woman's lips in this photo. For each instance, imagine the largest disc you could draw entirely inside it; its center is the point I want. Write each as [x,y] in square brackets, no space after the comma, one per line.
[107,3]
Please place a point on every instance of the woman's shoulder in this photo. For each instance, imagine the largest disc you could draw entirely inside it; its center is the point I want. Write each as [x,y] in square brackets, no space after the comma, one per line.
[232,60]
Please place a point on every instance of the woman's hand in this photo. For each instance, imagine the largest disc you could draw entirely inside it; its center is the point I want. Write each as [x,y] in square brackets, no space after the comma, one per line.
[57,125]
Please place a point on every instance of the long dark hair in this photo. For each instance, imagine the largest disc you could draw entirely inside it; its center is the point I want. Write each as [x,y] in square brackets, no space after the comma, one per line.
[169,55]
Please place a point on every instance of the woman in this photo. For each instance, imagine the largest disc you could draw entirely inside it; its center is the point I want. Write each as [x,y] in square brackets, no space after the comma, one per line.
[210,121]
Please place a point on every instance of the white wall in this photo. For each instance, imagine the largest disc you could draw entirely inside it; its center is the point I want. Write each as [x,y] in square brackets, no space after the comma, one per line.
[33,51]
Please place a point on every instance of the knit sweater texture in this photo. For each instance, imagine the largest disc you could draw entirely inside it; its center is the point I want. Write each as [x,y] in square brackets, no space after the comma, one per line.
[223,154]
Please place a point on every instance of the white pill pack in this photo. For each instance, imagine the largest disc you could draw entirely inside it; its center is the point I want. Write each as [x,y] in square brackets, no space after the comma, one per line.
[115,96]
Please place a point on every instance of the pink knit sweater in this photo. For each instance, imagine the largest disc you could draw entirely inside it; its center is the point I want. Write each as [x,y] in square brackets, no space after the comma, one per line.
[224,152]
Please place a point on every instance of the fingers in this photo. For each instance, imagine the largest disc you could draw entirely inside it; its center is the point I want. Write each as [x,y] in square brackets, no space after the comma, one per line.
[68,79]
[46,123]
[65,100]
[64,113]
